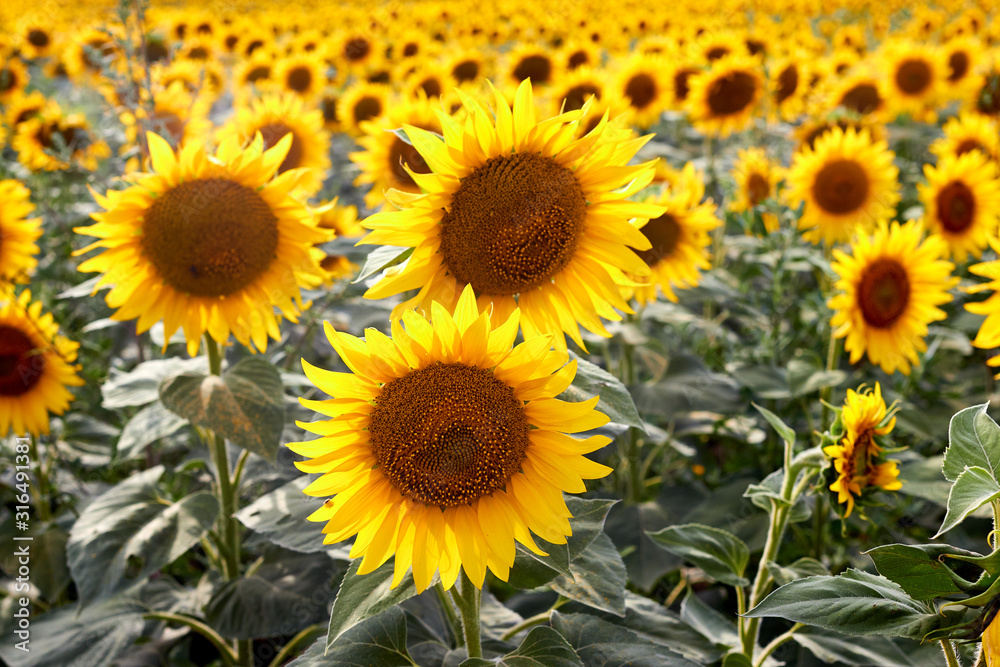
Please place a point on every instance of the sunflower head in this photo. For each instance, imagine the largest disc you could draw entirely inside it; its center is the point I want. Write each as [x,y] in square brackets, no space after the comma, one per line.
[723,98]
[858,461]
[18,232]
[524,212]
[209,243]
[446,444]
[962,202]
[889,289]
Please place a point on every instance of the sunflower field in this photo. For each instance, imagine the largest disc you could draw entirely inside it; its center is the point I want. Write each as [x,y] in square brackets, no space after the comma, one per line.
[434,333]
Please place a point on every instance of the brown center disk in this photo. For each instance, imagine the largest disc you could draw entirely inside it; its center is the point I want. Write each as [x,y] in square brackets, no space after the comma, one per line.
[514,223]
[640,90]
[788,83]
[300,79]
[431,86]
[329,107]
[663,233]
[367,108]
[913,77]
[538,68]
[758,188]
[958,66]
[578,59]
[402,153]
[260,73]
[577,95]
[38,38]
[731,94]
[956,205]
[884,292]
[272,133]
[716,52]
[968,145]
[357,49]
[862,98]
[210,237]
[988,101]
[466,70]
[681,83]
[21,365]
[841,187]
[448,434]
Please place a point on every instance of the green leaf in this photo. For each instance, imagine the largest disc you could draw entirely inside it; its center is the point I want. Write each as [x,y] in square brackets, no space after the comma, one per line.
[916,569]
[687,386]
[616,401]
[834,647]
[245,405]
[974,488]
[362,597]
[587,521]
[49,572]
[141,385]
[280,516]
[853,603]
[721,555]
[804,377]
[598,578]
[600,643]
[543,647]
[651,620]
[147,426]
[973,441]
[377,641]
[97,636]
[711,624]
[786,433]
[130,532]
[736,660]
[287,593]
[803,567]
[382,258]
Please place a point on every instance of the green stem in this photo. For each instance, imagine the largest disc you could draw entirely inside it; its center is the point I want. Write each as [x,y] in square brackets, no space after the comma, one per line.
[449,610]
[950,657]
[468,599]
[776,643]
[230,532]
[996,524]
[294,643]
[198,626]
[42,504]
[635,486]
[532,621]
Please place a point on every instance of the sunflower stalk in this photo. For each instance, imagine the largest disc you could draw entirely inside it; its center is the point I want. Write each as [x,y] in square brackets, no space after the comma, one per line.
[468,599]
[230,530]
[950,656]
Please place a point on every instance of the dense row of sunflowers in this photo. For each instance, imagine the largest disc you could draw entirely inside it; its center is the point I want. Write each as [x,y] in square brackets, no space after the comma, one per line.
[507,154]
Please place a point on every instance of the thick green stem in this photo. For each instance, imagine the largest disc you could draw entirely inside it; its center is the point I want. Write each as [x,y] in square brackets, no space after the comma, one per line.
[198,626]
[468,600]
[230,529]
[950,657]
[293,643]
[449,610]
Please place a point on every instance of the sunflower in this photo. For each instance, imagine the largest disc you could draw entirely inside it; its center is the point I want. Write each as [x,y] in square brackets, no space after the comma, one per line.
[210,243]
[23,107]
[13,78]
[91,50]
[985,96]
[991,643]
[525,213]
[36,367]
[468,66]
[274,116]
[812,129]
[914,75]
[679,75]
[679,238]
[387,159]
[846,181]
[301,75]
[757,179]
[574,54]
[206,78]
[962,202]
[641,84]
[353,50]
[789,85]
[18,233]
[329,106]
[575,87]
[715,45]
[178,116]
[859,92]
[447,445]
[361,102]
[253,74]
[723,98]
[530,62]
[431,80]
[888,291]
[52,141]
[962,56]
[857,460]
[37,38]
[343,221]
[968,132]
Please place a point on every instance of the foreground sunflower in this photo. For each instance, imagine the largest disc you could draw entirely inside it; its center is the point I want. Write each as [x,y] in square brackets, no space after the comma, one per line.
[846,181]
[36,367]
[18,232]
[523,212]
[447,445]
[888,291]
[962,202]
[679,238]
[210,243]
[857,460]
